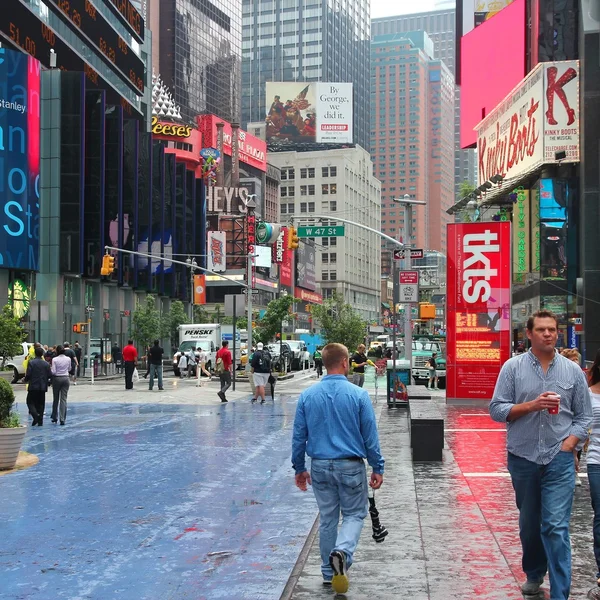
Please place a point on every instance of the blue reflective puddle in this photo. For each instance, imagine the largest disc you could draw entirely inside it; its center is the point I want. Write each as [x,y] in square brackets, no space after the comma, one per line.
[155,502]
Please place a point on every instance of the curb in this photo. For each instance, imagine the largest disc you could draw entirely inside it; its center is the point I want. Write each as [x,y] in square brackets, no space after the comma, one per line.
[292,581]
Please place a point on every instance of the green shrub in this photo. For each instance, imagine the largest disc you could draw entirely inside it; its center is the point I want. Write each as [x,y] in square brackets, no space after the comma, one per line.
[7,398]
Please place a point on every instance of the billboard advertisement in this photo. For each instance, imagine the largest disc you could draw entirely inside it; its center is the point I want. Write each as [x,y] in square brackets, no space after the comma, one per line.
[521,236]
[217,258]
[486,75]
[301,112]
[486,9]
[19,160]
[305,266]
[478,308]
[539,118]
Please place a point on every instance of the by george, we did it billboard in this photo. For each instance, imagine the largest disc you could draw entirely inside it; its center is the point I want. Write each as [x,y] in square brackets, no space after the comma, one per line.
[478,308]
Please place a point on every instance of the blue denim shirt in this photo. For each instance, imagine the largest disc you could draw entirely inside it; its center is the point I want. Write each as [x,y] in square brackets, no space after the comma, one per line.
[335,419]
[538,436]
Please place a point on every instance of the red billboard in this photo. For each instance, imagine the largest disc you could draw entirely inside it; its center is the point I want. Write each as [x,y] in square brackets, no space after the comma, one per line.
[478,308]
[492,63]
[253,150]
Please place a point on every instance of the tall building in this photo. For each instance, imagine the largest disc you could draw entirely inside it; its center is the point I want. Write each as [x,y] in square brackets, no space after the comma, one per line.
[441,27]
[412,100]
[197,51]
[332,182]
[308,40]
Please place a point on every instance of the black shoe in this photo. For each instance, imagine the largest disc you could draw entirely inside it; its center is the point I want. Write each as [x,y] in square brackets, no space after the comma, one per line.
[62,422]
[253,400]
[54,420]
[222,396]
[161,389]
[339,581]
[262,401]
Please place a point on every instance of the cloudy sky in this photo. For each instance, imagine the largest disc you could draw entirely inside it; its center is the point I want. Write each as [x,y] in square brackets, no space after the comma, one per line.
[387,8]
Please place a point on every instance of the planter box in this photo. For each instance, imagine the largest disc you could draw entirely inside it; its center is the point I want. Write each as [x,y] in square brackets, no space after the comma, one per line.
[10,444]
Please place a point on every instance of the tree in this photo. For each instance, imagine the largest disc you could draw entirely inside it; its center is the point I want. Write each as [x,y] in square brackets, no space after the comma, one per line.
[146,323]
[176,317]
[201,315]
[464,189]
[11,334]
[339,322]
[270,325]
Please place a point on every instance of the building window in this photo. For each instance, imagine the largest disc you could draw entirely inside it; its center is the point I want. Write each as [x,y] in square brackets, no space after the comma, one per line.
[304,190]
[332,275]
[333,241]
[311,207]
[284,209]
[288,173]
[325,276]
[333,257]
[329,171]
[311,190]
[325,189]
[333,206]
[303,207]
[325,258]
[290,209]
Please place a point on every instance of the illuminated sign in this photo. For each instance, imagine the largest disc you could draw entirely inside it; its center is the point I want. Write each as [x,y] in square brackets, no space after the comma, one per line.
[307,296]
[227,200]
[478,307]
[19,160]
[125,10]
[535,231]
[88,20]
[170,129]
[18,298]
[217,259]
[521,236]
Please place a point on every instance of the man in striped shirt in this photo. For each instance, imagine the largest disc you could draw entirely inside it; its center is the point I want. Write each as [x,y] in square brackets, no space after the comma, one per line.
[543,397]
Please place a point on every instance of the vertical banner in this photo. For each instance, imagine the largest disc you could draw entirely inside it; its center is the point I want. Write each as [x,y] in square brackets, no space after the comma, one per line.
[535,230]
[217,259]
[478,308]
[521,234]
[199,289]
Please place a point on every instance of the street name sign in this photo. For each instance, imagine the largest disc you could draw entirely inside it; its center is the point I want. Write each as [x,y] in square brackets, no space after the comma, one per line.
[409,286]
[254,292]
[400,254]
[320,231]
[89,309]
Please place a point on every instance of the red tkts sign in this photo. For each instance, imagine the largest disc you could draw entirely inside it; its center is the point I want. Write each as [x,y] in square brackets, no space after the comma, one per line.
[478,308]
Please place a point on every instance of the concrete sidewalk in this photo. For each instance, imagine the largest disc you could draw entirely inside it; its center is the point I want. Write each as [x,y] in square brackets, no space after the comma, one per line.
[453,526]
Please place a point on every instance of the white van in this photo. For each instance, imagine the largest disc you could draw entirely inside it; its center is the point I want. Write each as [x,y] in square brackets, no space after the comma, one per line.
[16,362]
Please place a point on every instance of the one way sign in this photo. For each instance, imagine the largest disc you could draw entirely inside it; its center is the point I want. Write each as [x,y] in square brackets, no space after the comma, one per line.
[414,253]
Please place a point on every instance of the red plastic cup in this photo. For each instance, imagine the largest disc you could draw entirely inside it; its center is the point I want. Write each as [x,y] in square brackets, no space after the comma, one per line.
[554,411]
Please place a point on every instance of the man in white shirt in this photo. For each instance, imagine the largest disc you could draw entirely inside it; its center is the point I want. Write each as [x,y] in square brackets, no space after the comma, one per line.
[202,356]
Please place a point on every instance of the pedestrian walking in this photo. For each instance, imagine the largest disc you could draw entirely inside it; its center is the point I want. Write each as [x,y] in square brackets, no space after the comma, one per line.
[155,357]
[37,377]
[130,357]
[182,365]
[191,363]
[318,358]
[50,354]
[61,368]
[593,466]
[261,369]
[432,384]
[359,362]
[202,356]
[78,351]
[573,354]
[74,364]
[117,357]
[543,398]
[223,369]
[335,425]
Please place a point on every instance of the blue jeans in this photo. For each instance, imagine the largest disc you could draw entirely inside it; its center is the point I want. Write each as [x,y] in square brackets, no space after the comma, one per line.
[544,495]
[156,370]
[594,479]
[339,485]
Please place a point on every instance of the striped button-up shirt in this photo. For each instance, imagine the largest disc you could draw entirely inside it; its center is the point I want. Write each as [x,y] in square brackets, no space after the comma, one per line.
[538,436]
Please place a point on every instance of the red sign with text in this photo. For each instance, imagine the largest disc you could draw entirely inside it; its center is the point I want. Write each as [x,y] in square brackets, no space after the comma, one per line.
[478,308]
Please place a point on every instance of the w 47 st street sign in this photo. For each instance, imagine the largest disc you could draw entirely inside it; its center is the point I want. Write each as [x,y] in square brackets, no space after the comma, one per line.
[320,231]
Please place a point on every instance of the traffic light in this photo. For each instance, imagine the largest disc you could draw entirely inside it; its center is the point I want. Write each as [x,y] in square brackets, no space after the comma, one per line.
[80,328]
[108,265]
[293,239]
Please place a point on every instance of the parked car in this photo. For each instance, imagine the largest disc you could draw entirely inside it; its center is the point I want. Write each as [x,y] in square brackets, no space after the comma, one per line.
[16,362]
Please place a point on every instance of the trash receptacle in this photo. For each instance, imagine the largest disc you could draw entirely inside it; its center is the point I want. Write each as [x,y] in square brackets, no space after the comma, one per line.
[397,390]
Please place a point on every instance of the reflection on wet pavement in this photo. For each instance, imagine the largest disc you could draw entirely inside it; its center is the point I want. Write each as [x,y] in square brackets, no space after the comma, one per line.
[155,502]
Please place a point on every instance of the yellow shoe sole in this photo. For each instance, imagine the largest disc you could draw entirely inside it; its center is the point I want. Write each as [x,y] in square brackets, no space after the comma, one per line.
[340,583]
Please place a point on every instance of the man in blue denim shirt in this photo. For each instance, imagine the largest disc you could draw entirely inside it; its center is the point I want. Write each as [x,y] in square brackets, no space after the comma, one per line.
[335,425]
[543,397]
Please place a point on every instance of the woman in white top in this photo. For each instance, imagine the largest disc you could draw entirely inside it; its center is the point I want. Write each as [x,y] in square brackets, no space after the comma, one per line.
[60,367]
[593,465]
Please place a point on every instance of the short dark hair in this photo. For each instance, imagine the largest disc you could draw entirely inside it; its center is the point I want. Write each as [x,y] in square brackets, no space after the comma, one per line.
[540,314]
[434,354]
[225,343]
[156,342]
[333,355]
[60,349]
[39,352]
[130,341]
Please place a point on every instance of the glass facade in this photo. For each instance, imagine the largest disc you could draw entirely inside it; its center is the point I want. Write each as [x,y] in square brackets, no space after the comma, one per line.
[200,58]
[306,40]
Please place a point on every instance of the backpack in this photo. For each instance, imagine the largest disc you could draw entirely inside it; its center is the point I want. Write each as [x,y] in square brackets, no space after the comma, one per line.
[219,367]
[264,361]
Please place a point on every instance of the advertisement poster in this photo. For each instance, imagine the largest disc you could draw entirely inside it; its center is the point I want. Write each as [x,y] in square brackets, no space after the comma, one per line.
[521,238]
[478,308]
[199,289]
[19,160]
[301,112]
[217,257]
[305,266]
[486,9]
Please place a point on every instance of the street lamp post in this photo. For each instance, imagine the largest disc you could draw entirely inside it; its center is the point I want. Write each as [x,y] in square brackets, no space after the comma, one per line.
[193,265]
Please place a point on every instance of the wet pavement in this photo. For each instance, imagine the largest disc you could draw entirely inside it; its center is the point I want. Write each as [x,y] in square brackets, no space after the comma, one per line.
[453,526]
[155,501]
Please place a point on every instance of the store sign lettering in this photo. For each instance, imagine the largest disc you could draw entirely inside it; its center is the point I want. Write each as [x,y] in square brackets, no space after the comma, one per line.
[227,200]
[171,129]
[476,247]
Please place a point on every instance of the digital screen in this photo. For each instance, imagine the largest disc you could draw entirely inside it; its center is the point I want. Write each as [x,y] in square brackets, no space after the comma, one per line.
[33,36]
[125,10]
[305,266]
[19,160]
[478,308]
[87,19]
[487,76]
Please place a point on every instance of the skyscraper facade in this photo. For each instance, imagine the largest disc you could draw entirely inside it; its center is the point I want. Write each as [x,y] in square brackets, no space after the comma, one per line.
[441,28]
[197,45]
[412,142]
[306,40]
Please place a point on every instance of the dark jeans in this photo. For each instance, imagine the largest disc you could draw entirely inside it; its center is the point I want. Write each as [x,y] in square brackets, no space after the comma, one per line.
[36,403]
[594,479]
[129,369]
[225,381]
[319,367]
[544,495]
